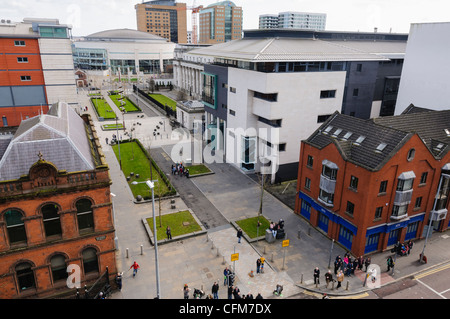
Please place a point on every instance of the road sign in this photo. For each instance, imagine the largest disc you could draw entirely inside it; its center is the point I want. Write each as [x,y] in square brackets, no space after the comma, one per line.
[285,243]
[234,257]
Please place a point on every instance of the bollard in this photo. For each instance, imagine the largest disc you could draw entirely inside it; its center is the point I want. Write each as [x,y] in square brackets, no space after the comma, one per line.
[142,249]
[207,238]
[346,288]
[271,258]
[309,231]
[127,252]
[223,261]
[212,246]
[217,252]
[332,285]
[264,250]
[301,279]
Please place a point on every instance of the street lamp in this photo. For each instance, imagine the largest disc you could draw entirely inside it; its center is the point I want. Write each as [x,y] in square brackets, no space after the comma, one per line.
[151,185]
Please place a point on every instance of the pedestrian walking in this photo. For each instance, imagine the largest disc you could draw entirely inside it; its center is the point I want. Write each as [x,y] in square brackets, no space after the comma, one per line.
[410,246]
[328,277]
[186,290]
[262,264]
[168,233]
[239,235]
[367,262]
[135,267]
[316,276]
[118,280]
[106,139]
[337,264]
[360,262]
[258,265]
[230,292]
[390,263]
[215,290]
[236,293]
[340,278]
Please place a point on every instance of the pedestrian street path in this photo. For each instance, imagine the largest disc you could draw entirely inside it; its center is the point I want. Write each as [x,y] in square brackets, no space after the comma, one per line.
[227,244]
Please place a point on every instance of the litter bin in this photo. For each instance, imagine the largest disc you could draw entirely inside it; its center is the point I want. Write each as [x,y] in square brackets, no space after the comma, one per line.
[269,236]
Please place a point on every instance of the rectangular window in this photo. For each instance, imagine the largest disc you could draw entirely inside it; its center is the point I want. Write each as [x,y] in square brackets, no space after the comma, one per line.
[209,89]
[310,161]
[273,123]
[359,67]
[308,183]
[355,92]
[19,43]
[327,94]
[232,89]
[22,60]
[323,118]
[25,78]
[378,212]
[232,112]
[271,97]
[350,208]
[282,147]
[423,178]
[418,202]
[326,197]
[405,184]
[399,210]
[383,187]
[329,172]
[354,182]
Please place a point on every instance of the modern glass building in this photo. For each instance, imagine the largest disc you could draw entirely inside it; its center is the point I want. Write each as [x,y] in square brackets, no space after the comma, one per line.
[220,22]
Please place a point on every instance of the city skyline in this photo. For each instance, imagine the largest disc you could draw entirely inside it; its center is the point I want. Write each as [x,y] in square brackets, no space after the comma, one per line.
[346,15]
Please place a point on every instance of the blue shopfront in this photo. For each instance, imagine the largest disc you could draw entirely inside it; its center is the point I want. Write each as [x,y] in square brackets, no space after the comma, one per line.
[393,231]
[347,231]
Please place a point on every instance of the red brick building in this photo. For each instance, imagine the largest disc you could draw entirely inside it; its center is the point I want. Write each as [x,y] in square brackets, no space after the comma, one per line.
[370,183]
[55,206]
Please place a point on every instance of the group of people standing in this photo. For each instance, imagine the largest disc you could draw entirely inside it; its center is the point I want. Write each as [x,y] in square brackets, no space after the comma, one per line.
[348,265]
[180,170]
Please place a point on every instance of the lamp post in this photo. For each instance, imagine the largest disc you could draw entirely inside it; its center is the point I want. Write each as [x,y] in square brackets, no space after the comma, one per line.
[151,185]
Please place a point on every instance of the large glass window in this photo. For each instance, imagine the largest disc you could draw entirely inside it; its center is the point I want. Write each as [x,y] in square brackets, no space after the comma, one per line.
[329,172]
[25,276]
[85,215]
[15,227]
[209,89]
[52,224]
[405,184]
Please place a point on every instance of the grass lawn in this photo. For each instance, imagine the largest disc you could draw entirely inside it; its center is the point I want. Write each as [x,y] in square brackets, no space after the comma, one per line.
[165,100]
[175,222]
[113,126]
[249,226]
[198,169]
[103,109]
[129,106]
[139,164]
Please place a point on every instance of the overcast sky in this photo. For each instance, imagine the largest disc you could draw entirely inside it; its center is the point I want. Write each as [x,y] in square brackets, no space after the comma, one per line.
[89,16]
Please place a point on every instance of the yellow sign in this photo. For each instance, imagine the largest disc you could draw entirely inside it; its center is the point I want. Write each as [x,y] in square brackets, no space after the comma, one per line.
[234,257]
[285,243]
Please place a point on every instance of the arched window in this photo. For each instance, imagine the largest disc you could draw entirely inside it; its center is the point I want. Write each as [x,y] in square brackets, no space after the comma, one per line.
[15,227]
[59,268]
[84,214]
[90,261]
[25,276]
[52,224]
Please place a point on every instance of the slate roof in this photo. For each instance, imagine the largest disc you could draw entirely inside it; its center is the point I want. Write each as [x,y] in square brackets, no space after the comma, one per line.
[363,153]
[394,131]
[60,135]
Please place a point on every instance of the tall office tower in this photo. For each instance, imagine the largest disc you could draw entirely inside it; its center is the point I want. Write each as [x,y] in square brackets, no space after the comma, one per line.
[293,20]
[36,68]
[165,18]
[220,22]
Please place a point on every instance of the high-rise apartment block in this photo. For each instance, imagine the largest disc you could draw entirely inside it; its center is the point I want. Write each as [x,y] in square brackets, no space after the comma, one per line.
[165,18]
[293,20]
[220,22]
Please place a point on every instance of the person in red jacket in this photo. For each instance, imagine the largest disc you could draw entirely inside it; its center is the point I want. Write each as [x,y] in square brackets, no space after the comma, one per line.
[135,267]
